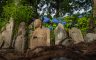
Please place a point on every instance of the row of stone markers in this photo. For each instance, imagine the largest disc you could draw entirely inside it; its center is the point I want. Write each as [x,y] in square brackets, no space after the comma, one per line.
[40,36]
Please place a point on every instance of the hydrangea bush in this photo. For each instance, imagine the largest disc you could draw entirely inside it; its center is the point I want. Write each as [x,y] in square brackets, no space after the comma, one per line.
[78,21]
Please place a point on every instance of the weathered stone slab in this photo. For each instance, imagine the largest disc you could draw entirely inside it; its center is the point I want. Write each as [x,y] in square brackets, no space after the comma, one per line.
[90,37]
[76,35]
[40,37]
[60,33]
[6,34]
[20,40]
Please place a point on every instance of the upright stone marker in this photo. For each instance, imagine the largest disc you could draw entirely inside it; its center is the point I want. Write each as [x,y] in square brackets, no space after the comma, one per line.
[6,34]
[20,40]
[40,37]
[76,35]
[90,37]
[60,33]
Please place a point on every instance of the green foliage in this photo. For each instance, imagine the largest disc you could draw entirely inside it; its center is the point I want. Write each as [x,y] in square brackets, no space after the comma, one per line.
[2,23]
[24,13]
[68,20]
[9,11]
[73,21]
[83,24]
[19,13]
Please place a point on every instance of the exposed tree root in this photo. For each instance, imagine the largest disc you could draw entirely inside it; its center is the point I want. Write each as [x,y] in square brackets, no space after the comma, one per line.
[81,51]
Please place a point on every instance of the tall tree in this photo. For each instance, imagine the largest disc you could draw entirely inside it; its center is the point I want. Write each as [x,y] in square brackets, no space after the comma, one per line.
[94,8]
[92,17]
[65,6]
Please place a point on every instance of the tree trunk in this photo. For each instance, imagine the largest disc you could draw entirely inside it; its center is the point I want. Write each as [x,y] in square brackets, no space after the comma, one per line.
[92,18]
[94,7]
[57,8]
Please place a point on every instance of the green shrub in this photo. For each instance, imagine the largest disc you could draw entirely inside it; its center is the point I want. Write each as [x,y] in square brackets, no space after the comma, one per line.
[19,13]
[74,21]
[2,23]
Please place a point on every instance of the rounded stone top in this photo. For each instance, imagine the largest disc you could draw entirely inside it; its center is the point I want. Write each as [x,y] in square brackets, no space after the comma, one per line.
[60,26]
[37,23]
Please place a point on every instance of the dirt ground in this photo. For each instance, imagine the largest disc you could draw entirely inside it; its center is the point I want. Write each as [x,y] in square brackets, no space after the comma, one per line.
[81,51]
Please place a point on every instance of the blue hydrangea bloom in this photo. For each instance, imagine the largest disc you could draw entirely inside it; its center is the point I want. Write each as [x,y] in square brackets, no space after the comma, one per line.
[46,20]
[63,23]
[80,16]
[54,20]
